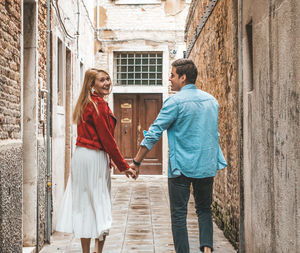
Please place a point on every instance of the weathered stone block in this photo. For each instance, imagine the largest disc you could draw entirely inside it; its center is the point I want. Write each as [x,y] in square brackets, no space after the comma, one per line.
[11,197]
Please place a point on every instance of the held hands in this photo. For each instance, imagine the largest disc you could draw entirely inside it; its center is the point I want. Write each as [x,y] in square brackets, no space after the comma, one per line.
[136,168]
[137,160]
[133,170]
[131,173]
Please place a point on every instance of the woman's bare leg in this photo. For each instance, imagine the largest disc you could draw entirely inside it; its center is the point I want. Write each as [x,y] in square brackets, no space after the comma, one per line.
[85,244]
[96,245]
[99,245]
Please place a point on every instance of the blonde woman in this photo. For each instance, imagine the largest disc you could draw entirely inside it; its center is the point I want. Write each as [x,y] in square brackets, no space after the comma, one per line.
[86,205]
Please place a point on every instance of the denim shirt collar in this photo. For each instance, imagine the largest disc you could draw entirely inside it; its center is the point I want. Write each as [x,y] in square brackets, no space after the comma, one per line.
[188,87]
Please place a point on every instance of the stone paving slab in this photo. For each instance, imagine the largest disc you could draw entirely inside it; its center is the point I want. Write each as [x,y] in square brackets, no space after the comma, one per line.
[141,221]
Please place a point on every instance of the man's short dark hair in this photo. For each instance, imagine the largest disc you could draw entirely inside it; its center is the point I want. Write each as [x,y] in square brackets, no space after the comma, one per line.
[187,67]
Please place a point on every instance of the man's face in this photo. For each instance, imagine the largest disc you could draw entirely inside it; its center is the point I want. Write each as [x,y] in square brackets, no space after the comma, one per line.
[176,81]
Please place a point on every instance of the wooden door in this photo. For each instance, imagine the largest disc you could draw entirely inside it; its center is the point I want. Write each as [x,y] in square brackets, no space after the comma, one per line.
[135,113]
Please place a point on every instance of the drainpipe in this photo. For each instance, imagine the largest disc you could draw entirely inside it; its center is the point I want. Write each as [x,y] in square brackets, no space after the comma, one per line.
[98,23]
[78,23]
[241,140]
[49,201]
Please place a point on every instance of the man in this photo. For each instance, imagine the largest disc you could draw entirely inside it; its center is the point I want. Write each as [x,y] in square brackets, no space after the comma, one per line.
[191,119]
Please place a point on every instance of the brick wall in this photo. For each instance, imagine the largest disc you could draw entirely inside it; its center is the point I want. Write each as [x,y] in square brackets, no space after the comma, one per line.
[10,55]
[215,54]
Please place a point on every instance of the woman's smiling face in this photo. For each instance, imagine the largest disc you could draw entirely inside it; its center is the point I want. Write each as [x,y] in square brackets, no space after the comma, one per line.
[102,84]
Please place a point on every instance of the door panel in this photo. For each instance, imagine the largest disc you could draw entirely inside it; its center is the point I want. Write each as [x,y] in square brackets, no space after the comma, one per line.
[150,106]
[125,111]
[135,113]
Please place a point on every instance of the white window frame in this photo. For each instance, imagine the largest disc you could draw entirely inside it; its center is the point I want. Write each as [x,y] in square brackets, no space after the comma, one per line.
[60,74]
[137,2]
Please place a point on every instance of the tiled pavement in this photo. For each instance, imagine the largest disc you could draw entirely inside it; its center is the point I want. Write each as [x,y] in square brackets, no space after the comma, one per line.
[141,221]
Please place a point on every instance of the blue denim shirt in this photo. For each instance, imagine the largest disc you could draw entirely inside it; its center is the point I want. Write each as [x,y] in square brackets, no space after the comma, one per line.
[191,119]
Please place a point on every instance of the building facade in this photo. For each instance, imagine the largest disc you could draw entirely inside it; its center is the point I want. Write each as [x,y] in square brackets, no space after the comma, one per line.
[72,40]
[136,42]
[43,57]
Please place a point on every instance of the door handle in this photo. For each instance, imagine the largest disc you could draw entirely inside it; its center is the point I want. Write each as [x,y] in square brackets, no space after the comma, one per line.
[125,129]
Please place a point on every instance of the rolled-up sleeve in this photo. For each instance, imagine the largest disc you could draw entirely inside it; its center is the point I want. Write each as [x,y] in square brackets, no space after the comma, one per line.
[164,120]
[221,159]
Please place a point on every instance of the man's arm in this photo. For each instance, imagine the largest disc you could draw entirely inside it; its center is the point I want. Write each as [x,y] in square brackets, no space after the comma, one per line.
[142,152]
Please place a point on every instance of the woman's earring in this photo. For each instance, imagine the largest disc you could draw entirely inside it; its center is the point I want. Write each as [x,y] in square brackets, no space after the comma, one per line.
[92,90]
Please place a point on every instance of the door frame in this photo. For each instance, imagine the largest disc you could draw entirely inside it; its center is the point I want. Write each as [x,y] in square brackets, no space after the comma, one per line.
[159,89]
[152,163]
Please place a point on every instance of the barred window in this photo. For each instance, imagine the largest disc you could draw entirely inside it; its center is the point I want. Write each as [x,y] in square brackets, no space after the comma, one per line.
[138,68]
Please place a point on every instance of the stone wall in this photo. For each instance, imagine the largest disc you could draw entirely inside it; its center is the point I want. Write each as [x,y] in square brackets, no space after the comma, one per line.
[215,54]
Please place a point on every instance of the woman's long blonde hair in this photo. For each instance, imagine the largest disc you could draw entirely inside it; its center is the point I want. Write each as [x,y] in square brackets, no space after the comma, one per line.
[85,93]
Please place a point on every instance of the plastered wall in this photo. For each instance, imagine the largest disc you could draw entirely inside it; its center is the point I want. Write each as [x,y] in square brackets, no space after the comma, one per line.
[271,90]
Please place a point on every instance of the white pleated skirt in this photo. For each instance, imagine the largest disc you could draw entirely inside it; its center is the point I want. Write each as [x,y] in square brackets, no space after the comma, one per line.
[86,206]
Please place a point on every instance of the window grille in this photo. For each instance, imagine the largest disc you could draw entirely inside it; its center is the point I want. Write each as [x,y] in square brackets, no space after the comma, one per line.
[138,68]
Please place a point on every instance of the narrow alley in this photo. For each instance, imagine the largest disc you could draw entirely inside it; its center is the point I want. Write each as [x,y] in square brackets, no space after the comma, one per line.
[141,221]
[247,58]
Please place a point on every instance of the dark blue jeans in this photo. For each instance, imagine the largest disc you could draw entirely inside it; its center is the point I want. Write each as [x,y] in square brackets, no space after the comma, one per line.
[179,193]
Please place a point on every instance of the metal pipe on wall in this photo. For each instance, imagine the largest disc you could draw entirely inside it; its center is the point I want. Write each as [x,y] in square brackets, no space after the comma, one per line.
[98,16]
[78,26]
[241,156]
[49,201]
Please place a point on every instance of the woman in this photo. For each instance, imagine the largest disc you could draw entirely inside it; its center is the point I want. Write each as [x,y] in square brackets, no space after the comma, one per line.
[86,205]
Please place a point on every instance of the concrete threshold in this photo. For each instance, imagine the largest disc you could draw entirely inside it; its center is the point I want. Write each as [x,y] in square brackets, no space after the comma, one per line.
[28,250]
